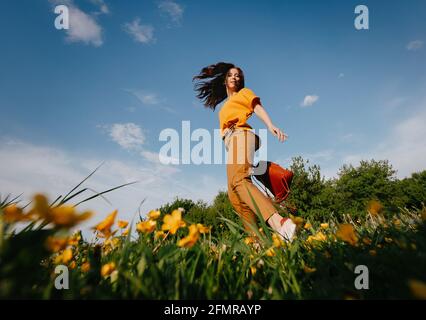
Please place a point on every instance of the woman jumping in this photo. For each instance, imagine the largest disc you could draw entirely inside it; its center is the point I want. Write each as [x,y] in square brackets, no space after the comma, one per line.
[227,81]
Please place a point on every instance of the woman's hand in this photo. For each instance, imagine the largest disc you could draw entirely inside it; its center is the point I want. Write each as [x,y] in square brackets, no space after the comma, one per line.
[263,115]
[278,133]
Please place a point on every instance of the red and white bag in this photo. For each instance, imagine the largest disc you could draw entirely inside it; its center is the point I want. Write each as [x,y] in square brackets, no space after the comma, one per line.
[275,178]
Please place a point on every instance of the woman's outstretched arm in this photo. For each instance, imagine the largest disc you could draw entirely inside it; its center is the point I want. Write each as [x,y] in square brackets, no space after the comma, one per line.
[263,115]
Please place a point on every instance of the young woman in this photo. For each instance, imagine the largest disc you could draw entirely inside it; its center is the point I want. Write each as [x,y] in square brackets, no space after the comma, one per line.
[227,82]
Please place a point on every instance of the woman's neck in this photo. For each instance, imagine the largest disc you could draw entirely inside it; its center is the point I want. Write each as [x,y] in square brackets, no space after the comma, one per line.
[231,93]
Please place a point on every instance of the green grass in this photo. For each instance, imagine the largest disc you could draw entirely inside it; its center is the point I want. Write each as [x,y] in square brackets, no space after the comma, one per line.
[222,267]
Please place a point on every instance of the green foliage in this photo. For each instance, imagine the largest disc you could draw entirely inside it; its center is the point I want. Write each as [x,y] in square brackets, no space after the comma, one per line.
[354,188]
[201,212]
[412,190]
[309,191]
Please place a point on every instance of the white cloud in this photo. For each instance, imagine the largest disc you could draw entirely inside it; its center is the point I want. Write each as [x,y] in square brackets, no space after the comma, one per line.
[155,157]
[128,135]
[309,101]
[145,97]
[140,33]
[172,9]
[83,27]
[414,45]
[405,147]
[150,99]
[103,8]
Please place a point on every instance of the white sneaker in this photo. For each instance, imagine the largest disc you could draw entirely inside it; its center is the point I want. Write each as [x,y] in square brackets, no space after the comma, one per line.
[287,230]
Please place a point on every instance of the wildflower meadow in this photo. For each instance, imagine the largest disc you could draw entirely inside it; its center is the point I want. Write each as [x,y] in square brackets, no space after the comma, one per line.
[188,250]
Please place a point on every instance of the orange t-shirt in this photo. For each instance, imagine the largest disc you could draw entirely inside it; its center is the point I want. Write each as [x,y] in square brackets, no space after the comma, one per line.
[237,109]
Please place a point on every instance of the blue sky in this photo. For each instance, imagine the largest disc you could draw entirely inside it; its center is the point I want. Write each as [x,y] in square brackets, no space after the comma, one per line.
[104,89]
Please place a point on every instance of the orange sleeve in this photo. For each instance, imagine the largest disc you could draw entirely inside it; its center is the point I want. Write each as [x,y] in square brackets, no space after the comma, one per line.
[251,98]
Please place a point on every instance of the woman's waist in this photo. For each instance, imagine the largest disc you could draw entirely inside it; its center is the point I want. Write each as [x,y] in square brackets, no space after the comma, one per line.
[230,131]
[233,128]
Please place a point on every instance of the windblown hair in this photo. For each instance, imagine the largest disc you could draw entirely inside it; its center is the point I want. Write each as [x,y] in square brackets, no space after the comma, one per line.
[213,91]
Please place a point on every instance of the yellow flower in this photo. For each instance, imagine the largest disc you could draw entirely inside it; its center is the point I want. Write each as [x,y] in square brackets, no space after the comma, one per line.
[397,222]
[307,269]
[318,237]
[85,267]
[67,255]
[388,240]
[307,226]
[202,229]
[278,242]
[146,226]
[75,239]
[346,232]
[107,269]
[122,224]
[126,232]
[63,216]
[191,238]
[112,242]
[66,216]
[56,244]
[253,270]
[324,226]
[40,208]
[418,288]
[104,227]
[270,252]
[366,241]
[12,213]
[249,240]
[64,257]
[159,234]
[154,214]
[72,265]
[298,221]
[374,207]
[173,222]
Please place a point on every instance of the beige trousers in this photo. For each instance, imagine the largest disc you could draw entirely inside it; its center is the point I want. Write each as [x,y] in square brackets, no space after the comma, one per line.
[241,145]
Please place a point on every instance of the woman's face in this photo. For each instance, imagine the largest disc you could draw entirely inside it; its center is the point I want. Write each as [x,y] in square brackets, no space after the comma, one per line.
[233,79]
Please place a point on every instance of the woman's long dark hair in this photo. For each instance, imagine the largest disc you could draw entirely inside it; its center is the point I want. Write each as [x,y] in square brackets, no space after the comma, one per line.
[213,92]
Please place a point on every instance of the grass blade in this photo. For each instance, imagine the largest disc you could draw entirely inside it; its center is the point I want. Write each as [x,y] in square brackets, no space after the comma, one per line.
[106,191]
[65,199]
